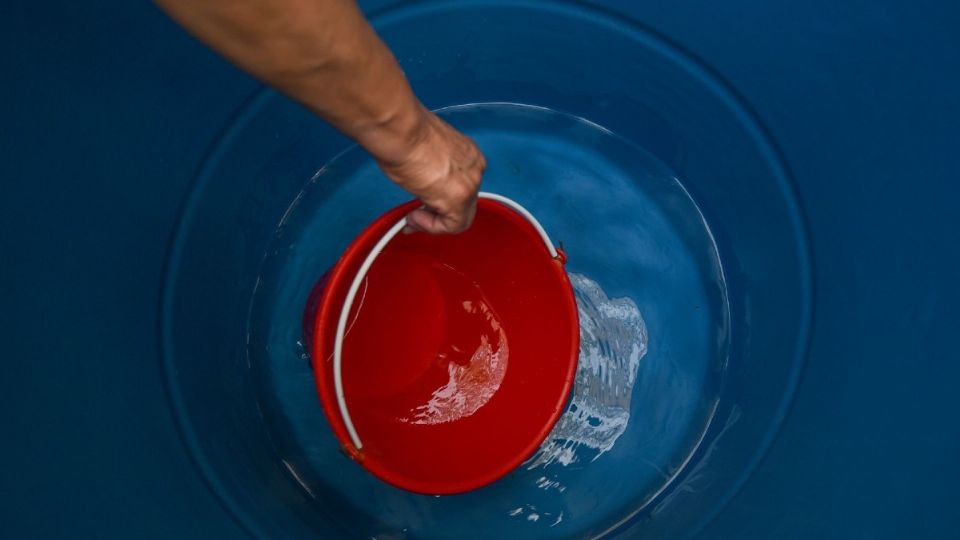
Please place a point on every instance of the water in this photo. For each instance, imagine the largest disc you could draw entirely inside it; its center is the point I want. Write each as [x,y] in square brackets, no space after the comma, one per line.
[439,377]
[472,377]
[613,339]
[654,330]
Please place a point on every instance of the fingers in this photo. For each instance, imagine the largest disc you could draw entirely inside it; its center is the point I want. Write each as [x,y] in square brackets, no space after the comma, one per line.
[423,220]
[431,222]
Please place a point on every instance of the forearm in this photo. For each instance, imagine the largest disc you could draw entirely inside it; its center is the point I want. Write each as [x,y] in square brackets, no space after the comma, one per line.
[322,53]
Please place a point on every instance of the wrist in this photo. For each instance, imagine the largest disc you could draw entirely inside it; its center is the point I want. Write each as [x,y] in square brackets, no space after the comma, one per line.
[392,139]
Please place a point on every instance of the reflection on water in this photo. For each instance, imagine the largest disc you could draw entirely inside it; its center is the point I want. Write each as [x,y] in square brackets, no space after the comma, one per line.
[473,356]
[470,385]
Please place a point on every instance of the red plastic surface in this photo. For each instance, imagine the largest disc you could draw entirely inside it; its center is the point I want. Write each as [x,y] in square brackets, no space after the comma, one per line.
[460,353]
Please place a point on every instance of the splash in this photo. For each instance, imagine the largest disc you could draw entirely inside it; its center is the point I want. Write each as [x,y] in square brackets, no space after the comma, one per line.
[529,512]
[613,339]
[547,484]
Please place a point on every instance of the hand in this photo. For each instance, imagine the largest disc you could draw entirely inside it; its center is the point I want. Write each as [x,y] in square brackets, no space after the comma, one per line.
[443,168]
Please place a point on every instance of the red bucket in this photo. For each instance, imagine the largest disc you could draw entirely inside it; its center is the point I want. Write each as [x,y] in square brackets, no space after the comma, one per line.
[456,353]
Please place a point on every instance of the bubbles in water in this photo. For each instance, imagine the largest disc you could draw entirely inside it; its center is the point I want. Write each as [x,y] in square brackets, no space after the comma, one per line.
[613,339]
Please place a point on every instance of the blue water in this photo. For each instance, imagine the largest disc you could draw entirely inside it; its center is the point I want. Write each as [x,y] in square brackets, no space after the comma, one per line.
[654,330]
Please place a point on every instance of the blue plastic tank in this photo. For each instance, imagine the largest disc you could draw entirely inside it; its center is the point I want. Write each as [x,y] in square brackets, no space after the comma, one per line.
[757,199]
